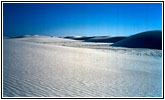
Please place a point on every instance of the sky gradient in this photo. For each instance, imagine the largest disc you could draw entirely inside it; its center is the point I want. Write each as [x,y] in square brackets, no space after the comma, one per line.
[84,19]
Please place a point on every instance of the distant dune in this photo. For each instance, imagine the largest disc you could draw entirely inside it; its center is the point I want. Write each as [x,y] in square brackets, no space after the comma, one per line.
[100,39]
[79,37]
[148,39]
[28,36]
[105,39]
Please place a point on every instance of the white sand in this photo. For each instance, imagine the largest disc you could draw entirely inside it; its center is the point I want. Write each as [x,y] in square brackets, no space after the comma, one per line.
[56,67]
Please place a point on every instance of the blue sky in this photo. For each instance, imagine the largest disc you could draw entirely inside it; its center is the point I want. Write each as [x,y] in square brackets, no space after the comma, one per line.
[85,19]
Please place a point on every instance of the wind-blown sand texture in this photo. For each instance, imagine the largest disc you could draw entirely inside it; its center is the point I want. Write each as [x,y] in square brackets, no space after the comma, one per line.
[56,67]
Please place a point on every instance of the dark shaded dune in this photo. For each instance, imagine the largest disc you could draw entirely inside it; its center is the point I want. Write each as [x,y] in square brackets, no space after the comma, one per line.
[16,37]
[69,37]
[105,39]
[149,39]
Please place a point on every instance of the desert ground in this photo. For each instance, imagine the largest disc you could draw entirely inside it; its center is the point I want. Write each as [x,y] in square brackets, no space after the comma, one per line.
[44,66]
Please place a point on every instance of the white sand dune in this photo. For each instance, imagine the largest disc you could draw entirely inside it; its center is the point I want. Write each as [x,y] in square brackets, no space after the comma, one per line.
[56,67]
[79,37]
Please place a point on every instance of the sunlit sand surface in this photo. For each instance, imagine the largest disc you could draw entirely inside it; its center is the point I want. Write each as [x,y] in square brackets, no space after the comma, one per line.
[40,66]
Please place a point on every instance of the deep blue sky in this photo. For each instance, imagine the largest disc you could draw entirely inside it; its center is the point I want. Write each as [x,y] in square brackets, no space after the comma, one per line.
[62,19]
